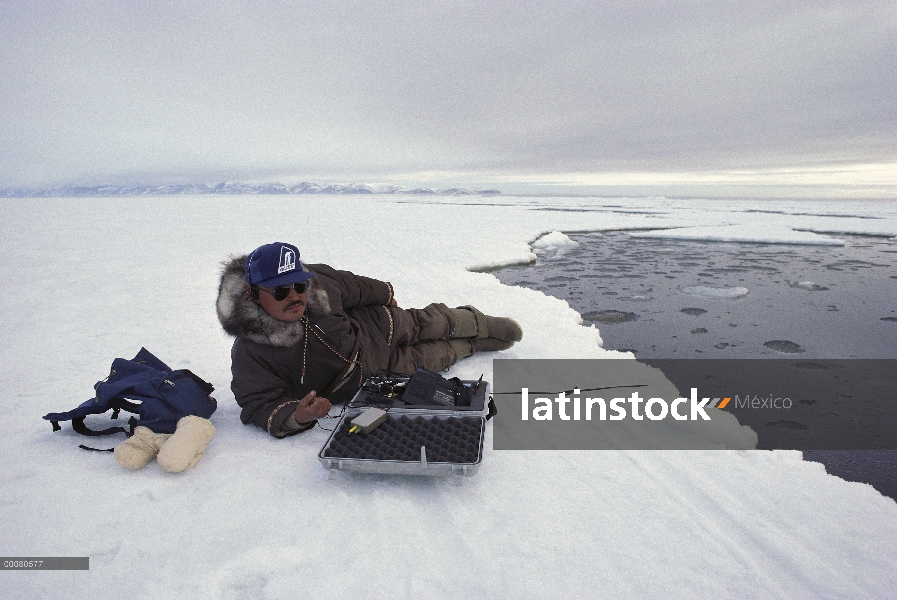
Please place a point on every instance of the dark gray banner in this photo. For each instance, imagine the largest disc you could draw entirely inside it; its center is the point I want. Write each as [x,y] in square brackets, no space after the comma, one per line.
[45,563]
[695,404]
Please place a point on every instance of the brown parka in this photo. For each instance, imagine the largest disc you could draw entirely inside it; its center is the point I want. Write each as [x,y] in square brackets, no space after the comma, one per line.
[348,334]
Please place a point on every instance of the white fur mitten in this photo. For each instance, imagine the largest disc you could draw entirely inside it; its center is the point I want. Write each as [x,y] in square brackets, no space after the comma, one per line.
[138,450]
[186,445]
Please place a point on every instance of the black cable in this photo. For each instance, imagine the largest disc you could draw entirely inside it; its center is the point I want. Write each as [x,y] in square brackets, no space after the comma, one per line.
[610,387]
[329,416]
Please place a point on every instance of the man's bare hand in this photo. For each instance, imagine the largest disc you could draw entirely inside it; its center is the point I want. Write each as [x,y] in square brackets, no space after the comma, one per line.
[393,302]
[312,407]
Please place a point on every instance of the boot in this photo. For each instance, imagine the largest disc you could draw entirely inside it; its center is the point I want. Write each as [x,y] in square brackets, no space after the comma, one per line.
[465,347]
[138,450]
[187,444]
[470,323]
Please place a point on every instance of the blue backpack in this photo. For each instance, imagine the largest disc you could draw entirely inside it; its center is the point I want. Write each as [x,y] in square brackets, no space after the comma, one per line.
[164,395]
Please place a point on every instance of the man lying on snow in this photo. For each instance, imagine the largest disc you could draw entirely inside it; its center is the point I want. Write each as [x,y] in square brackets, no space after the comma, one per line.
[306,333]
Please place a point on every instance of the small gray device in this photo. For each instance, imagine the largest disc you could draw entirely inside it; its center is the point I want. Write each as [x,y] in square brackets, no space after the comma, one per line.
[369,419]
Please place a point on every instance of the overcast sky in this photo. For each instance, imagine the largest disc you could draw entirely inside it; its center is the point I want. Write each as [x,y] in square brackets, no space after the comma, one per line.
[505,93]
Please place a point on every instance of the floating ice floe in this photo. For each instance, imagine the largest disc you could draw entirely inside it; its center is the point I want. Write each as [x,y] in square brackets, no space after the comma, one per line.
[808,285]
[746,232]
[710,292]
[609,317]
[786,346]
[635,298]
[555,241]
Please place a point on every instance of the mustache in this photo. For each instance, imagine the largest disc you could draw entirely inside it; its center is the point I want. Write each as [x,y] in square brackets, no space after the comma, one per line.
[292,304]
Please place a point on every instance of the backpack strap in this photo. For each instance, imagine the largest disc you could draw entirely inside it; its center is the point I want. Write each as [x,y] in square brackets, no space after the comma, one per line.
[118,405]
[79,426]
[204,385]
[83,447]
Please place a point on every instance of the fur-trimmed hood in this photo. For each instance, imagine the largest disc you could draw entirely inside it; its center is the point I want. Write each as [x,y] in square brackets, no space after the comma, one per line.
[241,316]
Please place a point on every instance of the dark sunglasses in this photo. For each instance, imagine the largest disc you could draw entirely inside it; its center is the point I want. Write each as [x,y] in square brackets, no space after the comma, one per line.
[281,292]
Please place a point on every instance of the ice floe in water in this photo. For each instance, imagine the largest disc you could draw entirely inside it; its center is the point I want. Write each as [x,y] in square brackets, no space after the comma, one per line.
[785,346]
[744,232]
[808,285]
[712,292]
[609,317]
[636,298]
[555,242]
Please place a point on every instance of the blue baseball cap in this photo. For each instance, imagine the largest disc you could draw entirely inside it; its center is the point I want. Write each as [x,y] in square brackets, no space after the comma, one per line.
[275,264]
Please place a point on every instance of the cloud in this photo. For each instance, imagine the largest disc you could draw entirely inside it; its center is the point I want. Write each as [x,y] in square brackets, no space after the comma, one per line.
[95,91]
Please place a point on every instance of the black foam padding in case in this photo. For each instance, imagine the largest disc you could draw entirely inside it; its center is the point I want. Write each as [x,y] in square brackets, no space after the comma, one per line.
[450,439]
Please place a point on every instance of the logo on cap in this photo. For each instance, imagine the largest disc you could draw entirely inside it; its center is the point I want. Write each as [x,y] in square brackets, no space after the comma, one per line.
[287,260]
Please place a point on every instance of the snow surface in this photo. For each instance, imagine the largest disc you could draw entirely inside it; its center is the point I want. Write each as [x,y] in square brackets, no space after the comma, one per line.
[85,281]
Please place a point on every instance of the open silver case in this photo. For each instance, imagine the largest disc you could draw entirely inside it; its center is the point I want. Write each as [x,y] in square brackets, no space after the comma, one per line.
[414,439]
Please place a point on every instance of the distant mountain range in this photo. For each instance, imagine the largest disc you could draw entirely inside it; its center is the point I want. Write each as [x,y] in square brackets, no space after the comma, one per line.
[231,188]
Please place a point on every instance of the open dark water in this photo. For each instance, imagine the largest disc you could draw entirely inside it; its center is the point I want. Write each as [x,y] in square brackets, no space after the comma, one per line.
[663,298]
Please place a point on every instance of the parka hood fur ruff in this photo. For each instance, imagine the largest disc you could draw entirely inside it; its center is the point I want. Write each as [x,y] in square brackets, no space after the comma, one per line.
[240,316]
